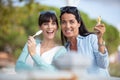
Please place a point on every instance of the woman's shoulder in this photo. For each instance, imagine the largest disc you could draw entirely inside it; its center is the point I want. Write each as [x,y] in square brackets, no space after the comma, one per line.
[60,47]
[92,36]
[61,51]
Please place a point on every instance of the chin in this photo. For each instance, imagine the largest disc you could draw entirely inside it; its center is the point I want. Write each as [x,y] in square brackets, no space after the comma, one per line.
[68,35]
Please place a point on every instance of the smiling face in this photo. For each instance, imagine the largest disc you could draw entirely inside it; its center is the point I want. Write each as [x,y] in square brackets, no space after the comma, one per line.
[69,25]
[49,29]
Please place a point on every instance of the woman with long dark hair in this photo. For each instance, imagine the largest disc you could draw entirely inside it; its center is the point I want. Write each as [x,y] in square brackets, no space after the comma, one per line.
[77,38]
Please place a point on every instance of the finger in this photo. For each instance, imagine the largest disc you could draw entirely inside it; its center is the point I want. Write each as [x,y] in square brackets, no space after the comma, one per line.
[100,25]
[29,44]
[103,25]
[99,30]
[96,28]
[29,36]
[31,39]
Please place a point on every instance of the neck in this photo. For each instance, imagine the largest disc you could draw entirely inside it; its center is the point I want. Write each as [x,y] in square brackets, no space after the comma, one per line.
[73,44]
[48,43]
[72,39]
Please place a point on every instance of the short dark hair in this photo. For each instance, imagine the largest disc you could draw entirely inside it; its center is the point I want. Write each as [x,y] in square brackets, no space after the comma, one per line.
[45,16]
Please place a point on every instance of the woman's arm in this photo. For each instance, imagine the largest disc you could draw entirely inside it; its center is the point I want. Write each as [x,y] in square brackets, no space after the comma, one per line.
[100,32]
[21,64]
[43,65]
[101,58]
[60,52]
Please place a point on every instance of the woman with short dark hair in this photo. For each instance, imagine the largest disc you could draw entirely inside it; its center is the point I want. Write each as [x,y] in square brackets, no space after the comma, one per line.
[39,54]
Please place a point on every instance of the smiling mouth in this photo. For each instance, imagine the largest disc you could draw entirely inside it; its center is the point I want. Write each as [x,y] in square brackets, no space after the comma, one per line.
[68,31]
[50,32]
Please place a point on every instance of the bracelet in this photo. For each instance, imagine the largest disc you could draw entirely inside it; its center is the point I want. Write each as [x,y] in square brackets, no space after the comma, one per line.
[103,44]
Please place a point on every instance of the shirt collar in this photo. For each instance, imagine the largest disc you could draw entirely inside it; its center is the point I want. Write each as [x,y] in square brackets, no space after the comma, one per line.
[78,37]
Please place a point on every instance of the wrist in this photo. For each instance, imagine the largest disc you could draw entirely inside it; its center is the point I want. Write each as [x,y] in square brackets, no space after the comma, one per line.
[102,43]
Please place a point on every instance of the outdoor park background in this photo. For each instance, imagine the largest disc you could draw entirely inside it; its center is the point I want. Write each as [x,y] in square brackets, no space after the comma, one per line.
[18,22]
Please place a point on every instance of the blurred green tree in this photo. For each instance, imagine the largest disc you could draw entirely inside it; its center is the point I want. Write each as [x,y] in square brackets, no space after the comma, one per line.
[18,22]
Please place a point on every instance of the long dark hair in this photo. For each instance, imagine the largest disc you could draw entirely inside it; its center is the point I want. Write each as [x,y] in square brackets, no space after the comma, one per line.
[82,29]
[45,16]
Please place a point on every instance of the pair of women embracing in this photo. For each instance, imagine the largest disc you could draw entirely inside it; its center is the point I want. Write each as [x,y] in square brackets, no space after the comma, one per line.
[39,54]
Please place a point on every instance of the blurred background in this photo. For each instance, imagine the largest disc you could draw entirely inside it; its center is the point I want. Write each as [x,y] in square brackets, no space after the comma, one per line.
[19,19]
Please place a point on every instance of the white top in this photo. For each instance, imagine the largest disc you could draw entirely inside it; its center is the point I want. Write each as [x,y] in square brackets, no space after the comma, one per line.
[46,56]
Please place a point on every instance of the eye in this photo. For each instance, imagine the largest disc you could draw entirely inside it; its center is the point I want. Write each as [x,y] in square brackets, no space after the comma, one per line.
[53,23]
[63,22]
[45,23]
[72,22]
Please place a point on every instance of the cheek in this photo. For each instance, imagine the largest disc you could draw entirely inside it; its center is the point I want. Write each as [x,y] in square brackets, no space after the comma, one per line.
[55,31]
[62,27]
[76,30]
[77,27]
[56,28]
[42,28]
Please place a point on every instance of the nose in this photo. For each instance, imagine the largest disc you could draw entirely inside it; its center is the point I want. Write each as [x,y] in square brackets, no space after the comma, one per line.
[49,25]
[67,25]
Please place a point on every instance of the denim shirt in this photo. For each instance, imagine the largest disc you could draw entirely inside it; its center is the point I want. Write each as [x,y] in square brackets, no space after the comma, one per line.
[88,46]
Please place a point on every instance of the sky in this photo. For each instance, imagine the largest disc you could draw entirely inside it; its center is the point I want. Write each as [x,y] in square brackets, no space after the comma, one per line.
[109,10]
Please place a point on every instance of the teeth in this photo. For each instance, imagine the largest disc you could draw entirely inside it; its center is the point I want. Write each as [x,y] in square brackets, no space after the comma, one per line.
[68,30]
[50,31]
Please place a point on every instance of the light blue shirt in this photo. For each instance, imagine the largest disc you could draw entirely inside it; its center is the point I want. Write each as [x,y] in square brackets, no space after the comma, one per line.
[40,64]
[88,46]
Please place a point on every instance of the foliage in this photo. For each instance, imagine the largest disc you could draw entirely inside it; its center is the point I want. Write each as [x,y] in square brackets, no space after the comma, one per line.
[17,23]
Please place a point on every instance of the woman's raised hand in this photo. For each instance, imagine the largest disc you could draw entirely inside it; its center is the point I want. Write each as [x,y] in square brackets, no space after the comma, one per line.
[99,28]
[31,45]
